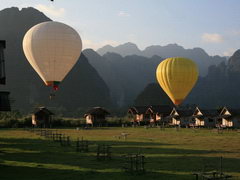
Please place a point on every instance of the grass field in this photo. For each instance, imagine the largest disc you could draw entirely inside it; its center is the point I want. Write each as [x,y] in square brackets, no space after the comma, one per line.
[170,154]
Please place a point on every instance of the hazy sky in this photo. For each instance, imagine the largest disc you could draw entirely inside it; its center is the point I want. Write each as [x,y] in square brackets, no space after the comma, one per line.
[213,25]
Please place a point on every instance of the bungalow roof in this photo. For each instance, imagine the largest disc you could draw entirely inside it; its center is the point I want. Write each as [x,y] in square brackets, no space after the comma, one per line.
[164,110]
[97,111]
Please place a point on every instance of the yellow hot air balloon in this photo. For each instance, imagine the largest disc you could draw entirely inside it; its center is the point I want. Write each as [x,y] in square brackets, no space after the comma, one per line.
[177,76]
[52,48]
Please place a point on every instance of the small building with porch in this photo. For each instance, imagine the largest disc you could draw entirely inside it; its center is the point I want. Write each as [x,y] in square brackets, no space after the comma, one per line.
[205,118]
[229,118]
[158,113]
[137,114]
[180,117]
[96,116]
[42,118]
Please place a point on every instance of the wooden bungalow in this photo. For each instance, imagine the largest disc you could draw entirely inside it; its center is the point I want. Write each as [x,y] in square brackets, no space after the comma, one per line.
[96,116]
[180,117]
[205,118]
[137,114]
[157,114]
[229,118]
[42,118]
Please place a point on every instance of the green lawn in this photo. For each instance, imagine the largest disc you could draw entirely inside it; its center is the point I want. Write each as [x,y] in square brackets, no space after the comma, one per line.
[170,154]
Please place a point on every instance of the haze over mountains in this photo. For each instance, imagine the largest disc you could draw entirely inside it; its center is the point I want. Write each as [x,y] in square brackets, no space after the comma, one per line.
[172,50]
[128,70]
[113,77]
[126,76]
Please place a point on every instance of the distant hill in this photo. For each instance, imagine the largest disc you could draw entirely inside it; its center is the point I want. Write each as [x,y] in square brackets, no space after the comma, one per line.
[126,49]
[125,76]
[172,50]
[109,75]
[82,88]
[152,95]
[234,62]
[128,75]
[220,87]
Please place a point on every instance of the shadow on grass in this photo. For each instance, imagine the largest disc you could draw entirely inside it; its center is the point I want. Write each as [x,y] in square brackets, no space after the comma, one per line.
[27,173]
[118,147]
[158,159]
[40,141]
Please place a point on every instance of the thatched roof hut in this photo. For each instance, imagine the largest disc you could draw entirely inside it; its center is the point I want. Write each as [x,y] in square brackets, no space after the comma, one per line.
[229,118]
[96,116]
[180,117]
[205,118]
[137,113]
[42,117]
[158,112]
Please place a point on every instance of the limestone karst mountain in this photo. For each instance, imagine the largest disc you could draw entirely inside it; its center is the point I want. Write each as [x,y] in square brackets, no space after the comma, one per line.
[172,50]
[125,76]
[220,87]
[82,88]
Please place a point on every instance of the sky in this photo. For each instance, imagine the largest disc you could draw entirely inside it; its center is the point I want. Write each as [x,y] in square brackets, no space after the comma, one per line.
[213,25]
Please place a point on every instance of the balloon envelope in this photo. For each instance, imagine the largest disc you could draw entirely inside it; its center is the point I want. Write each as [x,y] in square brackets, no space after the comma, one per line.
[52,48]
[177,76]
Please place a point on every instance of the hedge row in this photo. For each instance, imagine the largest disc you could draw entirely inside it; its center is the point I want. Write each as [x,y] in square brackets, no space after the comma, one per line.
[13,121]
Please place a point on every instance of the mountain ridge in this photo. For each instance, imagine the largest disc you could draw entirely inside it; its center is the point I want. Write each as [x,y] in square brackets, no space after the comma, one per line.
[197,54]
[125,76]
[220,87]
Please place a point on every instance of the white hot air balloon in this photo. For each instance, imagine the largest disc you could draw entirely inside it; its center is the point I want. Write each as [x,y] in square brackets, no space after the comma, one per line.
[52,48]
